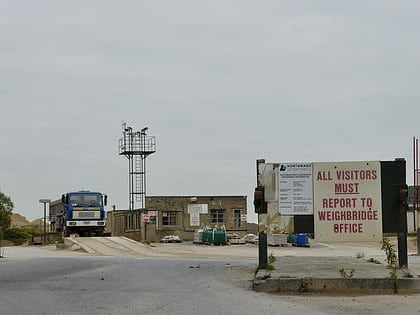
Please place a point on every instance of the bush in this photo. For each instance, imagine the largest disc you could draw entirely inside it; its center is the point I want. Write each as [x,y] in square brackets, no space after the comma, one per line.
[19,235]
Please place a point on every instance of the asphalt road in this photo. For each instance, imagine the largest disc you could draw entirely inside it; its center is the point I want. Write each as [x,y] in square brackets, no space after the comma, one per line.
[36,281]
[44,281]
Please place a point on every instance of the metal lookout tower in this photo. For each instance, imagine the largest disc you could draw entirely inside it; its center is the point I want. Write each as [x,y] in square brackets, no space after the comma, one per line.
[136,146]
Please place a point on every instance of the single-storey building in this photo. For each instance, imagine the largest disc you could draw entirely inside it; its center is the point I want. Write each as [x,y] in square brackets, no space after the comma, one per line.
[180,215]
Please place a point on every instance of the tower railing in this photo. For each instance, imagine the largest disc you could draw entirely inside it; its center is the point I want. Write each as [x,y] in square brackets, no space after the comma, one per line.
[136,146]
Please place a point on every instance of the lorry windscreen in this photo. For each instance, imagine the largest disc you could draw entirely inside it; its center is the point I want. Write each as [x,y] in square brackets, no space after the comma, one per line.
[78,200]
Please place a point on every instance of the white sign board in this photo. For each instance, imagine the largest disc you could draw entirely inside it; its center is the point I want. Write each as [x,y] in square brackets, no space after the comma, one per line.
[295,189]
[347,201]
[194,210]
[200,207]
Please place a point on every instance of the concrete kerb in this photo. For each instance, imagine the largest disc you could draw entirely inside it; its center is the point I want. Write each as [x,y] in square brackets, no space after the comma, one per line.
[336,285]
[329,268]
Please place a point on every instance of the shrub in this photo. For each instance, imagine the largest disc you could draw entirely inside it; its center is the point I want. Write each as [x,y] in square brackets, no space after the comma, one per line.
[19,235]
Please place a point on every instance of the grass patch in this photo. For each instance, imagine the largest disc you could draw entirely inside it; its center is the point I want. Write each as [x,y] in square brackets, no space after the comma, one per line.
[268,267]
[346,273]
[407,274]
[373,260]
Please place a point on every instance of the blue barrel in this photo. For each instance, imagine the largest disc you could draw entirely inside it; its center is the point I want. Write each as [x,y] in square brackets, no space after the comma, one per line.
[302,239]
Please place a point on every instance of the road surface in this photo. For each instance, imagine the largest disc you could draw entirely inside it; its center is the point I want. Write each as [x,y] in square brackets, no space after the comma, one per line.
[42,280]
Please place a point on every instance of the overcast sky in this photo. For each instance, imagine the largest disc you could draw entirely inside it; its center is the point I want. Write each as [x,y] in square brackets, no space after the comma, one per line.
[219,83]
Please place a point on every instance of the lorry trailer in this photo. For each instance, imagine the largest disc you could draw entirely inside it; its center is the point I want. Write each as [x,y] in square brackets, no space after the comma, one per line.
[81,212]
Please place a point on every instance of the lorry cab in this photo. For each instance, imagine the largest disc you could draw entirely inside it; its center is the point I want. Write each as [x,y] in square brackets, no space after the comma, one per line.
[84,212]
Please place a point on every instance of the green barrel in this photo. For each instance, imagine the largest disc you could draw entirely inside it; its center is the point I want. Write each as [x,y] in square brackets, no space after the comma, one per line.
[291,238]
[220,236]
[207,236]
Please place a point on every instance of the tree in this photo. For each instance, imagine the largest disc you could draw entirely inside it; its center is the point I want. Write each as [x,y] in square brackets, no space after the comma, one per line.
[6,208]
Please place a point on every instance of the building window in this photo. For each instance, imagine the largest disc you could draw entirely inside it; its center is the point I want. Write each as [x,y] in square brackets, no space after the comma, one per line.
[237,219]
[128,222]
[217,215]
[169,218]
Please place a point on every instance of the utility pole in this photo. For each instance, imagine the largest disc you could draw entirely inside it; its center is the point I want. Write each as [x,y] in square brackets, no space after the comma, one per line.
[45,202]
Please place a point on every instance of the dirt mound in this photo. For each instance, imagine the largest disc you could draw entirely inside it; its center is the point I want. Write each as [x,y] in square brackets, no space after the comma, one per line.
[19,220]
[37,222]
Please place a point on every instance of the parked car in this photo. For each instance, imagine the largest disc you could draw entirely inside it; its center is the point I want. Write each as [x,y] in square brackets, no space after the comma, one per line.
[170,239]
[251,238]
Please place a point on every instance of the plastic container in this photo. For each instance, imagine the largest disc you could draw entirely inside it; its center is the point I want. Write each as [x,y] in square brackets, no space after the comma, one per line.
[291,238]
[207,236]
[219,236]
[302,239]
[198,236]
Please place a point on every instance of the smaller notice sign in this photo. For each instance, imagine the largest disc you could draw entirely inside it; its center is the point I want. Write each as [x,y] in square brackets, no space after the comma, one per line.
[194,210]
[195,218]
[295,189]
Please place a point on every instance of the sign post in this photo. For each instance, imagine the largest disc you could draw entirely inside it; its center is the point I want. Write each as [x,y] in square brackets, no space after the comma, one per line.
[262,235]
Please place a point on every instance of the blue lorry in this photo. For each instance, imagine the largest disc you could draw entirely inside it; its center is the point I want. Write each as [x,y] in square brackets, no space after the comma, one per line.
[81,212]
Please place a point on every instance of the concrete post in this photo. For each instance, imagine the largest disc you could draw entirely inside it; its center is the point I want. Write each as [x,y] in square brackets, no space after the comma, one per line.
[402,238]
[402,250]
[262,250]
